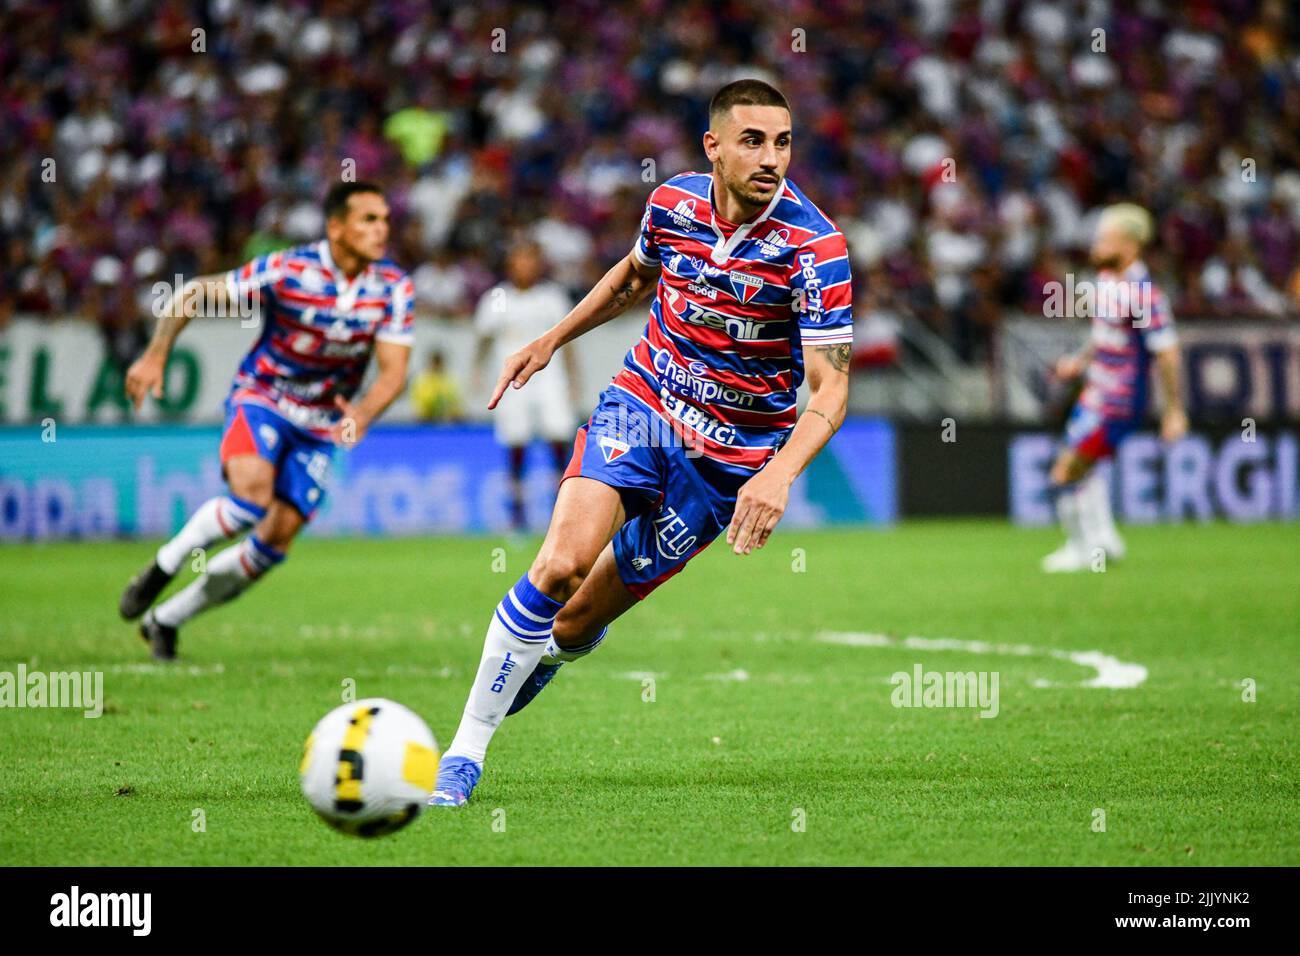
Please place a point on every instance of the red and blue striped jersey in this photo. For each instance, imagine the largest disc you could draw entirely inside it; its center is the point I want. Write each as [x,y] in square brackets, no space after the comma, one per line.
[1131,320]
[318,329]
[722,352]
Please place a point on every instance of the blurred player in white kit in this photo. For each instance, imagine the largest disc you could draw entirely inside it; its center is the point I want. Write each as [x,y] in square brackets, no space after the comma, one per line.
[509,316]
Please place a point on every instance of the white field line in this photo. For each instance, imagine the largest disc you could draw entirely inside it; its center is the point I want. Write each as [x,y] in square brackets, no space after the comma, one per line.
[1110,670]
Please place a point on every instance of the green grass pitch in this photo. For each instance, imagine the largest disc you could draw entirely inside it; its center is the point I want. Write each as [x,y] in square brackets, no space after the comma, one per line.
[763,744]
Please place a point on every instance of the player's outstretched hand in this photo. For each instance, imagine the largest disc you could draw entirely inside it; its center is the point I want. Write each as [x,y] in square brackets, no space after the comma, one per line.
[520,366]
[145,377]
[760,503]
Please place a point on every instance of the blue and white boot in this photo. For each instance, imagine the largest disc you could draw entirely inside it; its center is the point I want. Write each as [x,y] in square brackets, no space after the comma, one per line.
[457,778]
[539,678]
[548,667]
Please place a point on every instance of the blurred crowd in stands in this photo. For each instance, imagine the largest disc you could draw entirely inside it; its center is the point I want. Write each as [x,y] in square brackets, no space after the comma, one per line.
[963,146]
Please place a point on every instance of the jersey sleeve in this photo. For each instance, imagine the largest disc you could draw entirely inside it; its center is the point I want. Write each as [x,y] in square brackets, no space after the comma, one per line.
[1158,332]
[398,326]
[249,281]
[646,249]
[822,282]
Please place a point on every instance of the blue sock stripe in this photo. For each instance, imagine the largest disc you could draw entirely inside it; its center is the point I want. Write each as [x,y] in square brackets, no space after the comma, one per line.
[257,512]
[519,611]
[588,648]
[529,629]
[526,638]
[264,552]
[534,601]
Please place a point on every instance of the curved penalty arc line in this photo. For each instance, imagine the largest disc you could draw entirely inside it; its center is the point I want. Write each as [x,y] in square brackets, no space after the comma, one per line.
[1111,672]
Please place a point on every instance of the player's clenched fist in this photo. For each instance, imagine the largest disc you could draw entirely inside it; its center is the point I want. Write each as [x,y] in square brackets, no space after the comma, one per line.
[145,376]
[520,366]
[760,503]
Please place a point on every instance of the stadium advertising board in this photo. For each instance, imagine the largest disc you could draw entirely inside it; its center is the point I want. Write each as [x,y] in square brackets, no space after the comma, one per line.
[1240,475]
[66,482]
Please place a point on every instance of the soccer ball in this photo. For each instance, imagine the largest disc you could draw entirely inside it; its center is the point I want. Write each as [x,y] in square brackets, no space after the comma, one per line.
[368,767]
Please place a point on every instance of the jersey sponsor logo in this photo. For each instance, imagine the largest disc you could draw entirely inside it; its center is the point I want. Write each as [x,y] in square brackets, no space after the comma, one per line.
[673,538]
[706,291]
[774,242]
[745,286]
[311,280]
[812,286]
[704,268]
[693,380]
[738,327]
[700,424]
[683,214]
[612,448]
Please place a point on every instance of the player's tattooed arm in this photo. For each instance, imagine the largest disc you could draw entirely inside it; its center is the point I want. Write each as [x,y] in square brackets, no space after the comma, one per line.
[837,356]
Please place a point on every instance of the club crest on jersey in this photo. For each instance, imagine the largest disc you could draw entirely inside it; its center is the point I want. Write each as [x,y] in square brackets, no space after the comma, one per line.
[612,448]
[745,286]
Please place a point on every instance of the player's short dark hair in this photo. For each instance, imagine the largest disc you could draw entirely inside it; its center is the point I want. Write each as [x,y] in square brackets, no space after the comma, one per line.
[336,200]
[749,92]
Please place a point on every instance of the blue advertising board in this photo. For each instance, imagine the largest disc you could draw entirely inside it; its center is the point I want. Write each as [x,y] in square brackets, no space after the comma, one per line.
[78,482]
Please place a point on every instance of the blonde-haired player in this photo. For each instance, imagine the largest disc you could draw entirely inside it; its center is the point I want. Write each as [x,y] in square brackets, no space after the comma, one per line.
[1132,328]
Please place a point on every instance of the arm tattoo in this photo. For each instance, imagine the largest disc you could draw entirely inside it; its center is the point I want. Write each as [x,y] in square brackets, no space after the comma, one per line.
[814,411]
[623,297]
[837,355]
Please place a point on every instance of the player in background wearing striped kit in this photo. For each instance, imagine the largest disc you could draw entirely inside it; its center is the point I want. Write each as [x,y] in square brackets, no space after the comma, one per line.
[1131,324]
[323,309]
[698,433]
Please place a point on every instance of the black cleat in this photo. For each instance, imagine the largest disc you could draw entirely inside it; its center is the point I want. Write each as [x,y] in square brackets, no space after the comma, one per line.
[143,591]
[160,638]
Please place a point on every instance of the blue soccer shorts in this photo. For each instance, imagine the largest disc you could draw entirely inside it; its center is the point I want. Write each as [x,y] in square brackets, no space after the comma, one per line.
[676,505]
[301,460]
[1093,435]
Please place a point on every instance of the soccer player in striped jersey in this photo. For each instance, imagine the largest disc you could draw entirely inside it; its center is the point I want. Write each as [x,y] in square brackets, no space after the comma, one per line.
[1131,327]
[698,433]
[323,310]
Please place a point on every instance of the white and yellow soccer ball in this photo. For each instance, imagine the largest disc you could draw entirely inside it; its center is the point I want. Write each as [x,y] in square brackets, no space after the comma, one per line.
[369,767]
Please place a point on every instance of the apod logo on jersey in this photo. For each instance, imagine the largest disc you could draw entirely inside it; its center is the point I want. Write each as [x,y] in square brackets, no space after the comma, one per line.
[683,214]
[745,286]
[612,448]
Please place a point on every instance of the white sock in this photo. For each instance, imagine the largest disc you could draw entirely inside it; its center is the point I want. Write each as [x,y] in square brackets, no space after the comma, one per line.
[555,654]
[516,640]
[228,574]
[217,519]
[1067,510]
[1095,514]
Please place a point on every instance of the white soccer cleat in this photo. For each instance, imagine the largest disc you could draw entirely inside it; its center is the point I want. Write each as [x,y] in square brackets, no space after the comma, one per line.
[1066,559]
[1114,546]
